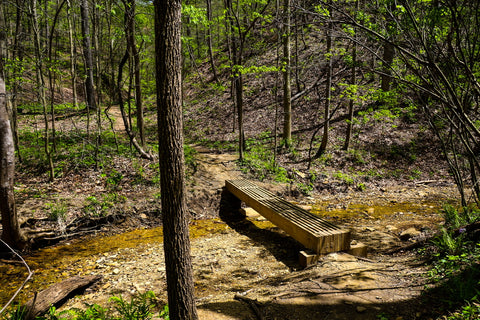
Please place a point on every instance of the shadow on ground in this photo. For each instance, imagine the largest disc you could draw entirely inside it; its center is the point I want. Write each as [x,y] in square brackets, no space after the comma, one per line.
[408,300]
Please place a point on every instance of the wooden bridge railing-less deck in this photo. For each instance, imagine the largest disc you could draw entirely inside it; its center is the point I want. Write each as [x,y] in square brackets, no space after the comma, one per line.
[310,230]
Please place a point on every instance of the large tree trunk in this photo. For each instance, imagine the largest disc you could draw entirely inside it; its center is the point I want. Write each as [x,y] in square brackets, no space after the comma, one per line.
[178,261]
[18,53]
[237,77]
[11,229]
[73,56]
[328,94]
[41,86]
[133,52]
[348,135]
[388,55]
[287,88]
[209,40]
[87,52]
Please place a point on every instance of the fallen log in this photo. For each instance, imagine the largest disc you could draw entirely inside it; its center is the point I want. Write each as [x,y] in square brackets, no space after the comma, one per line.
[56,294]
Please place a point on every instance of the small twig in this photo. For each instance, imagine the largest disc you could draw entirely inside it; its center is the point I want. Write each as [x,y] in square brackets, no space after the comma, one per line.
[10,261]
[428,181]
[366,259]
[69,235]
[30,274]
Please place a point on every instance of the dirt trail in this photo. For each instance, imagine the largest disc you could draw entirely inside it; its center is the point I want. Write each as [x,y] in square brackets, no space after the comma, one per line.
[255,260]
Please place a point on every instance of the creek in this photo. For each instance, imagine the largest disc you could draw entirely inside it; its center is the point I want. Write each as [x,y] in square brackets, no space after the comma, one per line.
[79,256]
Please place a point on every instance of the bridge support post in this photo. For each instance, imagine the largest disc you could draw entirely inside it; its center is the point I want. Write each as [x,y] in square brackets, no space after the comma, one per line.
[230,207]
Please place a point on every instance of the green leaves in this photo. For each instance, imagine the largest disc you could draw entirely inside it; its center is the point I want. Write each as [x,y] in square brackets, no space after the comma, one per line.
[322,11]
[196,15]
[237,69]
[140,307]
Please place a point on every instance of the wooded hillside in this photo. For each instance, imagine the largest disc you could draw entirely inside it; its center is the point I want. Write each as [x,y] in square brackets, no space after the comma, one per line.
[304,91]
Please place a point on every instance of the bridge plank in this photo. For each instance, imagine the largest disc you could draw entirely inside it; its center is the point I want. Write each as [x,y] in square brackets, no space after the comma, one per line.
[313,232]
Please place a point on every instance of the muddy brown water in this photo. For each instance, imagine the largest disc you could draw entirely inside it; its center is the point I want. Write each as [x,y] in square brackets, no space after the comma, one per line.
[60,262]
[57,263]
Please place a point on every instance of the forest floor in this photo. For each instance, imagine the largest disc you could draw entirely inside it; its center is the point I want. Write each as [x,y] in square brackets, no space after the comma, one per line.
[250,263]
[392,179]
[257,262]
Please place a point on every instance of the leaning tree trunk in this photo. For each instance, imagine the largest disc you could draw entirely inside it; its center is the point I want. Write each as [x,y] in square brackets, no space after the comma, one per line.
[11,228]
[178,262]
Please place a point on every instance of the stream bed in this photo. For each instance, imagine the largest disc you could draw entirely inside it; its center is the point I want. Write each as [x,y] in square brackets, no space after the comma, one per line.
[82,256]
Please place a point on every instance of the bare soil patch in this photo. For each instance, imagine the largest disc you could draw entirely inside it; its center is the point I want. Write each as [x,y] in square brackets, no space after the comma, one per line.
[255,261]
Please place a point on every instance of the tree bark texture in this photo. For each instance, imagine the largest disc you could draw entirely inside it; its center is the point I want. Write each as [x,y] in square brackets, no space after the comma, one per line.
[351,102]
[388,55]
[87,52]
[133,52]
[178,262]
[11,229]
[39,57]
[55,294]
[209,40]
[287,88]
[328,93]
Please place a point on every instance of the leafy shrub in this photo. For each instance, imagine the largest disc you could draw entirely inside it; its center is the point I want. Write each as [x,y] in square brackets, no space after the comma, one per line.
[56,211]
[190,160]
[470,311]
[18,313]
[455,263]
[140,307]
[259,161]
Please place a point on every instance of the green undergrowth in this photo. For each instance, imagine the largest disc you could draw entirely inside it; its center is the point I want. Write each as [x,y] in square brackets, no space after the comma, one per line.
[143,306]
[71,151]
[259,160]
[455,265]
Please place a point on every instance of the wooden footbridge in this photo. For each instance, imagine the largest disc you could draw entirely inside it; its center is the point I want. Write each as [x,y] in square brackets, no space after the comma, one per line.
[313,232]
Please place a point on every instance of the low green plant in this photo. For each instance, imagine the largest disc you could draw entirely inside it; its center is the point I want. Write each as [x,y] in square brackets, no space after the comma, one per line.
[164,313]
[113,178]
[259,161]
[142,306]
[53,314]
[357,156]
[456,218]
[449,244]
[345,178]
[361,186]
[383,316]
[305,188]
[139,307]
[17,313]
[99,207]
[56,211]
[415,174]
[93,312]
[190,160]
[140,176]
[470,311]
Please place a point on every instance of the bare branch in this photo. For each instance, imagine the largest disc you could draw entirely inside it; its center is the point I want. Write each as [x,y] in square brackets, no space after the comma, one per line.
[30,274]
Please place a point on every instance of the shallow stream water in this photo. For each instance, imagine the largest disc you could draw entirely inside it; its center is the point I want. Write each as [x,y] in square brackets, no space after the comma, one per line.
[71,258]
[78,257]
